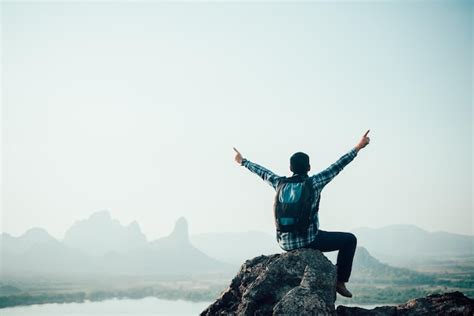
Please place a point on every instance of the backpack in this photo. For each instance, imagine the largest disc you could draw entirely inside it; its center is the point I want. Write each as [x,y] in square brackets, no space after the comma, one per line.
[293,201]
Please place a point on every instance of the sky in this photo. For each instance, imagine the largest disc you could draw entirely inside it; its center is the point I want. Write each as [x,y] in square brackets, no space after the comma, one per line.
[135,107]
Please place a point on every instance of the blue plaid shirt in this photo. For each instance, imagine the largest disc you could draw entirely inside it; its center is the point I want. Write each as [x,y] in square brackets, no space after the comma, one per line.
[293,240]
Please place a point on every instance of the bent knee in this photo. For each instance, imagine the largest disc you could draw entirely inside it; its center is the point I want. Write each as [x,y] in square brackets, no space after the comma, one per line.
[351,239]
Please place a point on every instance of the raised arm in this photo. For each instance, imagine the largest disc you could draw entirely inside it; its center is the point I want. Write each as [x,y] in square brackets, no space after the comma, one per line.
[267,175]
[324,177]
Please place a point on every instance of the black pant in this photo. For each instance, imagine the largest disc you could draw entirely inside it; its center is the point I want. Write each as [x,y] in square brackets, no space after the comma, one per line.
[344,242]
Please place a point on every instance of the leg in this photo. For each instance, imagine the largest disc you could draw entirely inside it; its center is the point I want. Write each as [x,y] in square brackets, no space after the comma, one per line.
[344,242]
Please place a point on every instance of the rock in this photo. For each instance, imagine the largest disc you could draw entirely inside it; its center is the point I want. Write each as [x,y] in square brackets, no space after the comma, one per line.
[299,282]
[302,282]
[454,303]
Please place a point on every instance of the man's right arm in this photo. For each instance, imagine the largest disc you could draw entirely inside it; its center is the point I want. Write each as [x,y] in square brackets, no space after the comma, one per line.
[266,175]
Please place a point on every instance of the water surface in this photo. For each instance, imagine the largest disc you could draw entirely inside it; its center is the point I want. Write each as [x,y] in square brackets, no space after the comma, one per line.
[142,307]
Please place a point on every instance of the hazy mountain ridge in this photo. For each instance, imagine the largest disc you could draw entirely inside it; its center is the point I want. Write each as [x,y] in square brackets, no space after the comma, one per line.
[406,245]
[101,244]
[114,237]
[21,244]
[93,246]
[368,269]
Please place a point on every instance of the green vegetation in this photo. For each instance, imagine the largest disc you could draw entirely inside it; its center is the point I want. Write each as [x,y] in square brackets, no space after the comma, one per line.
[27,299]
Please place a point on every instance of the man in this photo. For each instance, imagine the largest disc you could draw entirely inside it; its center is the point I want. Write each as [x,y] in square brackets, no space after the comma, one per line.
[313,237]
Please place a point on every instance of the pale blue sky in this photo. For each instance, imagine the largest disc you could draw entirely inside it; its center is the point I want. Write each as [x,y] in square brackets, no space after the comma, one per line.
[135,107]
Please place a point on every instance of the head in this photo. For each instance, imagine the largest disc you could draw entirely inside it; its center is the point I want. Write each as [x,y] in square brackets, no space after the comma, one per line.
[299,163]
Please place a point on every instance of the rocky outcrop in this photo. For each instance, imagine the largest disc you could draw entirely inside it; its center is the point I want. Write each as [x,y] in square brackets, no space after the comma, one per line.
[302,282]
[454,303]
[293,283]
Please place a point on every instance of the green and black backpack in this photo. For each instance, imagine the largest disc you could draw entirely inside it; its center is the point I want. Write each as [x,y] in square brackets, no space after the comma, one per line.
[293,201]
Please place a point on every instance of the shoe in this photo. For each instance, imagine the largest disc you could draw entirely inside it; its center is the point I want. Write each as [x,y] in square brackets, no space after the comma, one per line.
[342,290]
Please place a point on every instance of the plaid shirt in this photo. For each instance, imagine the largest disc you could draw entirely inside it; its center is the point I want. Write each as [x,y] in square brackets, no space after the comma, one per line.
[293,240]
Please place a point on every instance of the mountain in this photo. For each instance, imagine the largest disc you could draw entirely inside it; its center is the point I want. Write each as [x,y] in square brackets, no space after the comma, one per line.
[236,247]
[406,244]
[100,234]
[100,245]
[36,252]
[33,236]
[175,254]
[178,237]
[367,269]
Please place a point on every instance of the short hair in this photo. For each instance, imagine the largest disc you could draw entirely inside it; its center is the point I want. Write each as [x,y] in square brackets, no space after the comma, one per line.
[299,163]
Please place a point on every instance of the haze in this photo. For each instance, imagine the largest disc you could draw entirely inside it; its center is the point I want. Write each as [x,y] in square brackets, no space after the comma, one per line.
[135,107]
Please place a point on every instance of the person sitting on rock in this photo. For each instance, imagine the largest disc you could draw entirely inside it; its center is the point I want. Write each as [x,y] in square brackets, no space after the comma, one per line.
[313,237]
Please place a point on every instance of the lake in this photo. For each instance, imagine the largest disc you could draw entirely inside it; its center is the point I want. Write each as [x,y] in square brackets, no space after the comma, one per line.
[142,307]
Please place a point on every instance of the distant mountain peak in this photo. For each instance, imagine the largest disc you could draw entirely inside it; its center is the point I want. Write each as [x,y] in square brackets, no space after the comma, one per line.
[362,251]
[134,226]
[101,215]
[100,234]
[180,231]
[36,231]
[37,234]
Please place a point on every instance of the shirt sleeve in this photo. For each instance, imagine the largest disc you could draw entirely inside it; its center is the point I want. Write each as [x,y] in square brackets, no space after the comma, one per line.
[324,177]
[267,175]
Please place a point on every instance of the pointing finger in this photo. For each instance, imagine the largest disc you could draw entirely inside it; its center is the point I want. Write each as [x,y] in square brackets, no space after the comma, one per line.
[365,135]
[236,150]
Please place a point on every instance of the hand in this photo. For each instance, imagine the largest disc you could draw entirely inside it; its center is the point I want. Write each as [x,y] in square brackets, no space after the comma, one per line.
[238,156]
[364,141]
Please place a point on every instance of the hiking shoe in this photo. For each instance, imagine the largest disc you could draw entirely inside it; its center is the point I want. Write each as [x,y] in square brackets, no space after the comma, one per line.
[342,290]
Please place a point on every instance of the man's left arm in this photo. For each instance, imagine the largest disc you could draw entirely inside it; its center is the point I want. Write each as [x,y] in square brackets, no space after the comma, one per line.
[324,177]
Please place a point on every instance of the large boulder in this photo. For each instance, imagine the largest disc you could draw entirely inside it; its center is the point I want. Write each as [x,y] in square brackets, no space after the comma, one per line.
[299,282]
[454,304]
